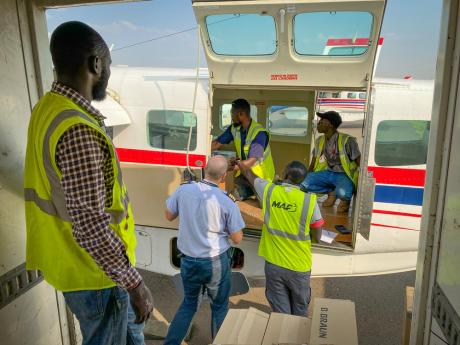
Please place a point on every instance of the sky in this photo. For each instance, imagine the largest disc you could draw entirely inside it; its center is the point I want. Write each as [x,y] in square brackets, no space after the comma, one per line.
[410,31]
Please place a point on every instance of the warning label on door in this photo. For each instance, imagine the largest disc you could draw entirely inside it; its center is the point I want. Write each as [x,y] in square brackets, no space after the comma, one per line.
[284,77]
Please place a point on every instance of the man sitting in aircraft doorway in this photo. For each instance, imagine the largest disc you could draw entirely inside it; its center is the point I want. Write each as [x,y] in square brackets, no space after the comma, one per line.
[252,144]
[292,219]
[335,163]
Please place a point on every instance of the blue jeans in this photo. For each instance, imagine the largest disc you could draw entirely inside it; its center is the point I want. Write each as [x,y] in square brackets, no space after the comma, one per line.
[212,274]
[106,317]
[326,181]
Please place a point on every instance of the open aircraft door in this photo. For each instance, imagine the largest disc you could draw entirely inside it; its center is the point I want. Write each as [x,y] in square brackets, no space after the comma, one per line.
[279,47]
[280,52]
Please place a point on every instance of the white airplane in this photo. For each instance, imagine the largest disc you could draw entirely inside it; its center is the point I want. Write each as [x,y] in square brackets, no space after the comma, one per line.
[153,111]
[150,113]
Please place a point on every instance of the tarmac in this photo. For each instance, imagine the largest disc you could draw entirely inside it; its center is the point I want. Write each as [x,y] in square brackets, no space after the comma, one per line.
[379,304]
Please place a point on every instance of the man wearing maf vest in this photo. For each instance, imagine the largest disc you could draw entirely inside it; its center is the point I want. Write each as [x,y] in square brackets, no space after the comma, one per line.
[252,144]
[334,167]
[291,220]
[80,227]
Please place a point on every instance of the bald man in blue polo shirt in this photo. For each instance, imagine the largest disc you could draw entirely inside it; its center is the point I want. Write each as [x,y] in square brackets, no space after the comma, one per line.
[208,219]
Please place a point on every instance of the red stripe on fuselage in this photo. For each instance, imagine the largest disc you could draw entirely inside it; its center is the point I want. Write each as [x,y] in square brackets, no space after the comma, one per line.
[392,227]
[398,213]
[159,157]
[399,176]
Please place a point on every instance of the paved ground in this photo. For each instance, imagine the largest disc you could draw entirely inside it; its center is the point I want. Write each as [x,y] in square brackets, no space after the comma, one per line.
[379,304]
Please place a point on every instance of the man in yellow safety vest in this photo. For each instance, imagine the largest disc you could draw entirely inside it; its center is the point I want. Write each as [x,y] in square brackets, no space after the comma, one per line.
[335,163]
[80,226]
[252,144]
[291,220]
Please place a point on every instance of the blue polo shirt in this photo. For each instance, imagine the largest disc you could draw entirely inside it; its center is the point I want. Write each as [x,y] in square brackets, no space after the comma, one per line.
[206,217]
[258,145]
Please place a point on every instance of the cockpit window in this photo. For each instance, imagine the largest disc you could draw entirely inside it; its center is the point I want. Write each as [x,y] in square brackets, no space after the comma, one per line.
[332,33]
[246,34]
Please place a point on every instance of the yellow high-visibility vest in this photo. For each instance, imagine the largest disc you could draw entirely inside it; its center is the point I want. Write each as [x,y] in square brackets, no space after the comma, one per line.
[350,167]
[286,238]
[264,167]
[51,247]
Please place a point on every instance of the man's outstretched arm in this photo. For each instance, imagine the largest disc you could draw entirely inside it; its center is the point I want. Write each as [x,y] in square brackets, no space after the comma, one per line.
[246,171]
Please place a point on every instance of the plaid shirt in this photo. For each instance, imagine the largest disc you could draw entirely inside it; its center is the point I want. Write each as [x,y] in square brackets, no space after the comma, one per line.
[83,157]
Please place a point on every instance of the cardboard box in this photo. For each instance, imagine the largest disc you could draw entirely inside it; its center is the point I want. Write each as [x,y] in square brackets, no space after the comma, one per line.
[242,326]
[251,213]
[286,329]
[333,323]
[407,318]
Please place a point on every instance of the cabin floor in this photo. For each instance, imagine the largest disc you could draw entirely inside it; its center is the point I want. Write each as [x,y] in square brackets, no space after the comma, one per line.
[253,217]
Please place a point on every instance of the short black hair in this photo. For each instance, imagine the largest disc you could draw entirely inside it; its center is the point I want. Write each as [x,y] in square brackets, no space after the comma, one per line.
[242,104]
[296,172]
[72,43]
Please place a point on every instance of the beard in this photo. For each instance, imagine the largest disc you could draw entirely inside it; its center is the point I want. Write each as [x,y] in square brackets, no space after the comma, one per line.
[236,122]
[99,89]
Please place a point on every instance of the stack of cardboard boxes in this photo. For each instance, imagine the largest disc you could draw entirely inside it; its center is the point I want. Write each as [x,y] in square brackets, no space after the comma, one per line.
[333,323]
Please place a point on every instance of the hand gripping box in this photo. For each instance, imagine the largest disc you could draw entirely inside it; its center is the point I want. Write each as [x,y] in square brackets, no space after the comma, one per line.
[333,323]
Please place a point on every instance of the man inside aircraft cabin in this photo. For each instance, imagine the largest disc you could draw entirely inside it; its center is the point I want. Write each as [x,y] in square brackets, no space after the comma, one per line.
[292,219]
[335,163]
[252,144]
[80,226]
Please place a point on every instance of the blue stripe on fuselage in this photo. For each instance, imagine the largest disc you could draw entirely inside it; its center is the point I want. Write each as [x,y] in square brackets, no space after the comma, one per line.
[399,195]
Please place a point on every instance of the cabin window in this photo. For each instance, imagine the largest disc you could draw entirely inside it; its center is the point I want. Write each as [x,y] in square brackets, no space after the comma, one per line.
[246,34]
[225,117]
[169,129]
[362,95]
[332,33]
[289,121]
[401,142]
[351,95]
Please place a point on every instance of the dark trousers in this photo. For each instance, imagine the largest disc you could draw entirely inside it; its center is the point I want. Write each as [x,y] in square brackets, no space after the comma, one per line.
[287,291]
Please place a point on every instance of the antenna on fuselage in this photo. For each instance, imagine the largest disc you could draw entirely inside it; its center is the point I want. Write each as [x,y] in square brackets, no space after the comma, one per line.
[190,172]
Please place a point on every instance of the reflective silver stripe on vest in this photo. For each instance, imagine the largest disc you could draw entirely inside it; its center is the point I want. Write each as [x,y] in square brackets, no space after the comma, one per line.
[249,140]
[249,135]
[267,152]
[301,236]
[118,216]
[57,206]
[236,133]
[46,206]
[343,153]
